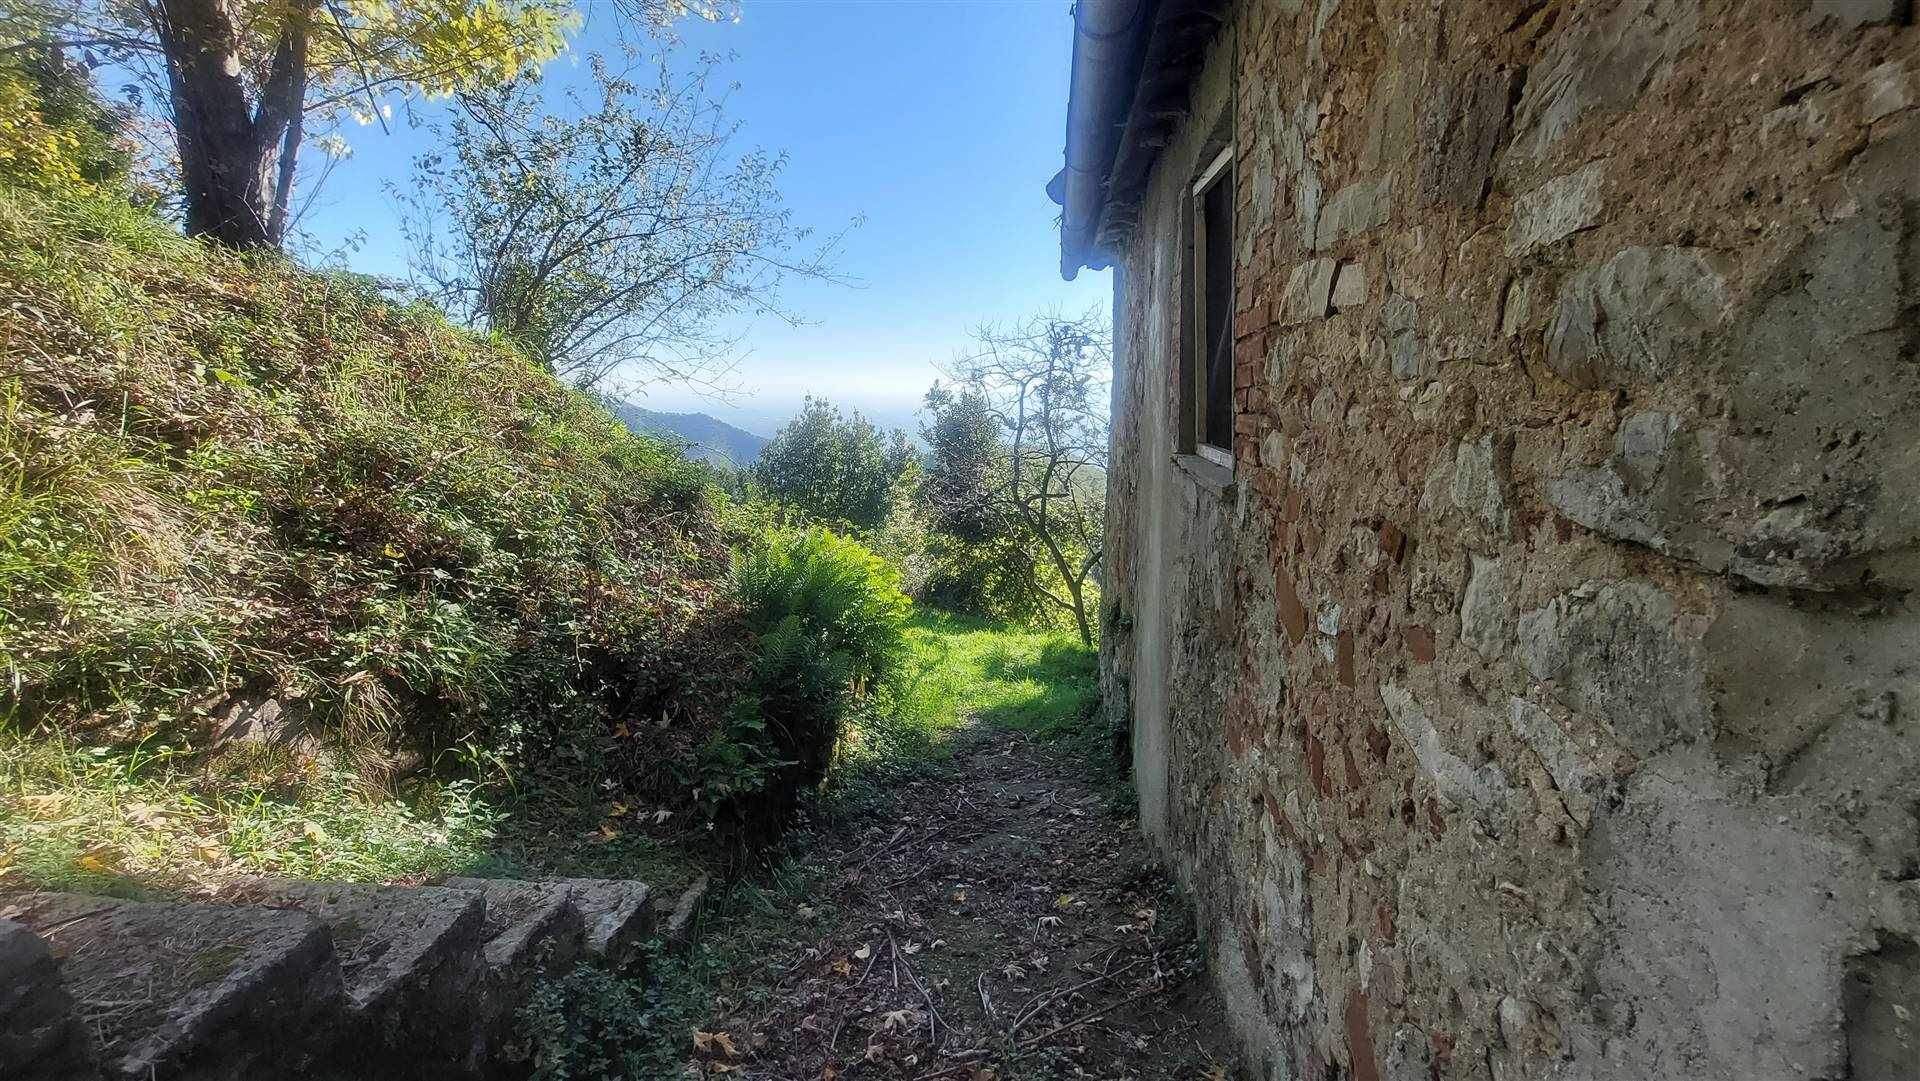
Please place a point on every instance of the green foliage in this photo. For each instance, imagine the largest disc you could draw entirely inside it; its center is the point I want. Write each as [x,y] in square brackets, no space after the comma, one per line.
[55,135]
[964,452]
[153,816]
[591,1025]
[1015,472]
[827,614]
[831,468]
[223,479]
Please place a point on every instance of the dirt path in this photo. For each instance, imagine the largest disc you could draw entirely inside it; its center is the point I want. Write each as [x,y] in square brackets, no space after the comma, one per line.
[991,922]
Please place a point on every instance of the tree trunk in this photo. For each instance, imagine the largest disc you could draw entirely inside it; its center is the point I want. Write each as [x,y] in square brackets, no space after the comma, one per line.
[229,151]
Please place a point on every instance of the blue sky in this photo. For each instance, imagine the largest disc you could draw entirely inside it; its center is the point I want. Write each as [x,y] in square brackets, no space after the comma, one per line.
[938,121]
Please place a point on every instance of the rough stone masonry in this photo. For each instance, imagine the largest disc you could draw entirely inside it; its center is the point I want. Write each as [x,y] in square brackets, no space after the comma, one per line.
[1536,695]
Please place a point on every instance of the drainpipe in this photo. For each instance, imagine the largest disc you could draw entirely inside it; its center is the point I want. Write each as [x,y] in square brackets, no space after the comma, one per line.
[1108,36]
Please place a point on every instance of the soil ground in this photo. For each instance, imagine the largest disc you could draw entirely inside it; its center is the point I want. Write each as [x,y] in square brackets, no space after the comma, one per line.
[990,918]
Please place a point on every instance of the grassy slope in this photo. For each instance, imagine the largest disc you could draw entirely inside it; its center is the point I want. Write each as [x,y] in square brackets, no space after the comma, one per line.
[224,479]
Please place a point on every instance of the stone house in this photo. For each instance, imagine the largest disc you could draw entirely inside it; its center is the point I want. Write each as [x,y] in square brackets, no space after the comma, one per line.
[1514,521]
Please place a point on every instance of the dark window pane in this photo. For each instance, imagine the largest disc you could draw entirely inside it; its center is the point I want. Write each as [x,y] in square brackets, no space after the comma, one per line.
[1216,215]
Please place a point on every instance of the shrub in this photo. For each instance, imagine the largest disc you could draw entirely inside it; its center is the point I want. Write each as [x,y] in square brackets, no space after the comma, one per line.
[828,619]
[590,1025]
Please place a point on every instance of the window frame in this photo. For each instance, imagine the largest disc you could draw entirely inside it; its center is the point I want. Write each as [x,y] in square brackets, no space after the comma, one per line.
[1193,439]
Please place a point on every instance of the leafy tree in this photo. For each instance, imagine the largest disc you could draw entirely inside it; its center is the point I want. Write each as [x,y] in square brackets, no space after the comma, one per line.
[242,83]
[616,234]
[55,134]
[832,467]
[964,449]
[1019,448]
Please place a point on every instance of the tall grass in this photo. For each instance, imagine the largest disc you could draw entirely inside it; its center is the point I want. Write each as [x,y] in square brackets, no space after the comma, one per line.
[148,819]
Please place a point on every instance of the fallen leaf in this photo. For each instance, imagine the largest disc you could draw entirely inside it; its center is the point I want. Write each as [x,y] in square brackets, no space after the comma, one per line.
[898,1019]
[841,967]
[715,1041]
[863,952]
[911,948]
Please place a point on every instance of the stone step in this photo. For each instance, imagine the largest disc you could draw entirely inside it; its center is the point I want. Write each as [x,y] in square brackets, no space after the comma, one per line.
[192,992]
[411,962]
[533,931]
[41,1038]
[619,918]
[532,928]
[684,920]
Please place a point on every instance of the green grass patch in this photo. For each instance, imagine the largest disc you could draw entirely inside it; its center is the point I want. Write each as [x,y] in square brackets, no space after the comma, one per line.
[1041,682]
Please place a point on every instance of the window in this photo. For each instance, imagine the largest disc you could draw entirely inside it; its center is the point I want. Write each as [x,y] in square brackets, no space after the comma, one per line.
[1210,340]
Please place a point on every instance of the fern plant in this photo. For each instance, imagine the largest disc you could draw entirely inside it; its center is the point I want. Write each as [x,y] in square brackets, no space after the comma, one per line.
[829,622]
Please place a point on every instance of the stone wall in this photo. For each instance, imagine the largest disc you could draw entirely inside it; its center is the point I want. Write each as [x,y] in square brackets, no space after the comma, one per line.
[1537,696]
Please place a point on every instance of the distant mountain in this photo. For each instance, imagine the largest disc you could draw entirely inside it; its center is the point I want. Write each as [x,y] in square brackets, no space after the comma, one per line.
[702,437]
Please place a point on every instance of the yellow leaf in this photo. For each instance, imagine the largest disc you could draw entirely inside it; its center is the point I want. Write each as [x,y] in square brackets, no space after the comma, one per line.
[99,861]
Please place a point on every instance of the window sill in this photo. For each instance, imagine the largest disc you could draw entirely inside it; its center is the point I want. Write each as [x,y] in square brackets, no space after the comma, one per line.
[1205,472]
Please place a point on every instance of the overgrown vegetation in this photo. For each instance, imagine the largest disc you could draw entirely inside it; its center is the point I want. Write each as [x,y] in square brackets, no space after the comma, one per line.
[252,513]
[826,614]
[299,580]
[149,818]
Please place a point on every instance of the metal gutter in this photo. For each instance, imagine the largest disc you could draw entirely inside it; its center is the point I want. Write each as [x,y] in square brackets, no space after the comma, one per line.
[1109,39]
[1133,62]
